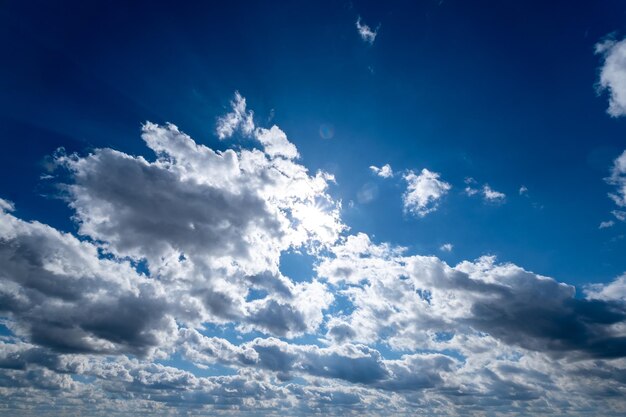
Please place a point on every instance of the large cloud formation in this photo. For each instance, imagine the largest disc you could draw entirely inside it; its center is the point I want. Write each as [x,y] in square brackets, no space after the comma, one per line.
[172,295]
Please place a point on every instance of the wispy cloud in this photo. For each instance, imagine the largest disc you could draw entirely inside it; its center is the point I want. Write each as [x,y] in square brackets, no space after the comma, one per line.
[365,32]
[446,247]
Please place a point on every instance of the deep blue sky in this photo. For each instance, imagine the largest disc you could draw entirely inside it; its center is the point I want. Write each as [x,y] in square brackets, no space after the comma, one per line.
[503,92]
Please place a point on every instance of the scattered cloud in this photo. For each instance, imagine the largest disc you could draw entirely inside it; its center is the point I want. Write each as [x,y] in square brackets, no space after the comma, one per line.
[367,34]
[423,192]
[446,247]
[492,195]
[613,74]
[237,119]
[619,215]
[523,190]
[385,171]
[618,179]
[606,224]
[489,194]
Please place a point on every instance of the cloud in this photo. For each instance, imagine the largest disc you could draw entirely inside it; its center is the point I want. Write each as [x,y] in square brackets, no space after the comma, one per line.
[606,224]
[523,190]
[613,74]
[367,193]
[618,179]
[237,119]
[619,215]
[615,290]
[385,171]
[211,225]
[175,274]
[401,296]
[365,32]
[492,195]
[423,192]
[275,143]
[489,194]
[60,294]
[469,189]
[446,247]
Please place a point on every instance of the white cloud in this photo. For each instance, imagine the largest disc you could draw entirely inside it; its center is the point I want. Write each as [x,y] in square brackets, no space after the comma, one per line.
[238,118]
[615,290]
[412,300]
[366,33]
[6,205]
[446,247]
[618,179]
[613,74]
[469,189]
[275,143]
[423,192]
[489,194]
[208,229]
[492,195]
[385,171]
[523,190]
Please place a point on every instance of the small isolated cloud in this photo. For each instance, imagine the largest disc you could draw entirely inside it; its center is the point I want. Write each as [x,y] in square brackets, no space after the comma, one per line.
[488,193]
[423,192]
[446,247]
[613,74]
[607,224]
[385,171]
[492,195]
[237,118]
[366,33]
[469,189]
[523,190]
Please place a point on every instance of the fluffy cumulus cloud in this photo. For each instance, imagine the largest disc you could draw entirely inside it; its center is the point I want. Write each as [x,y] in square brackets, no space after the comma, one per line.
[423,192]
[613,74]
[170,299]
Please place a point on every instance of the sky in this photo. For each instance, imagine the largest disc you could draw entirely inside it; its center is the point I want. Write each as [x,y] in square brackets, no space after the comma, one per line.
[313,208]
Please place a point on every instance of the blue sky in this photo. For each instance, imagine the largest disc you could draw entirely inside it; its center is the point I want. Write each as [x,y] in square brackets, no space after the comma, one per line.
[502,125]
